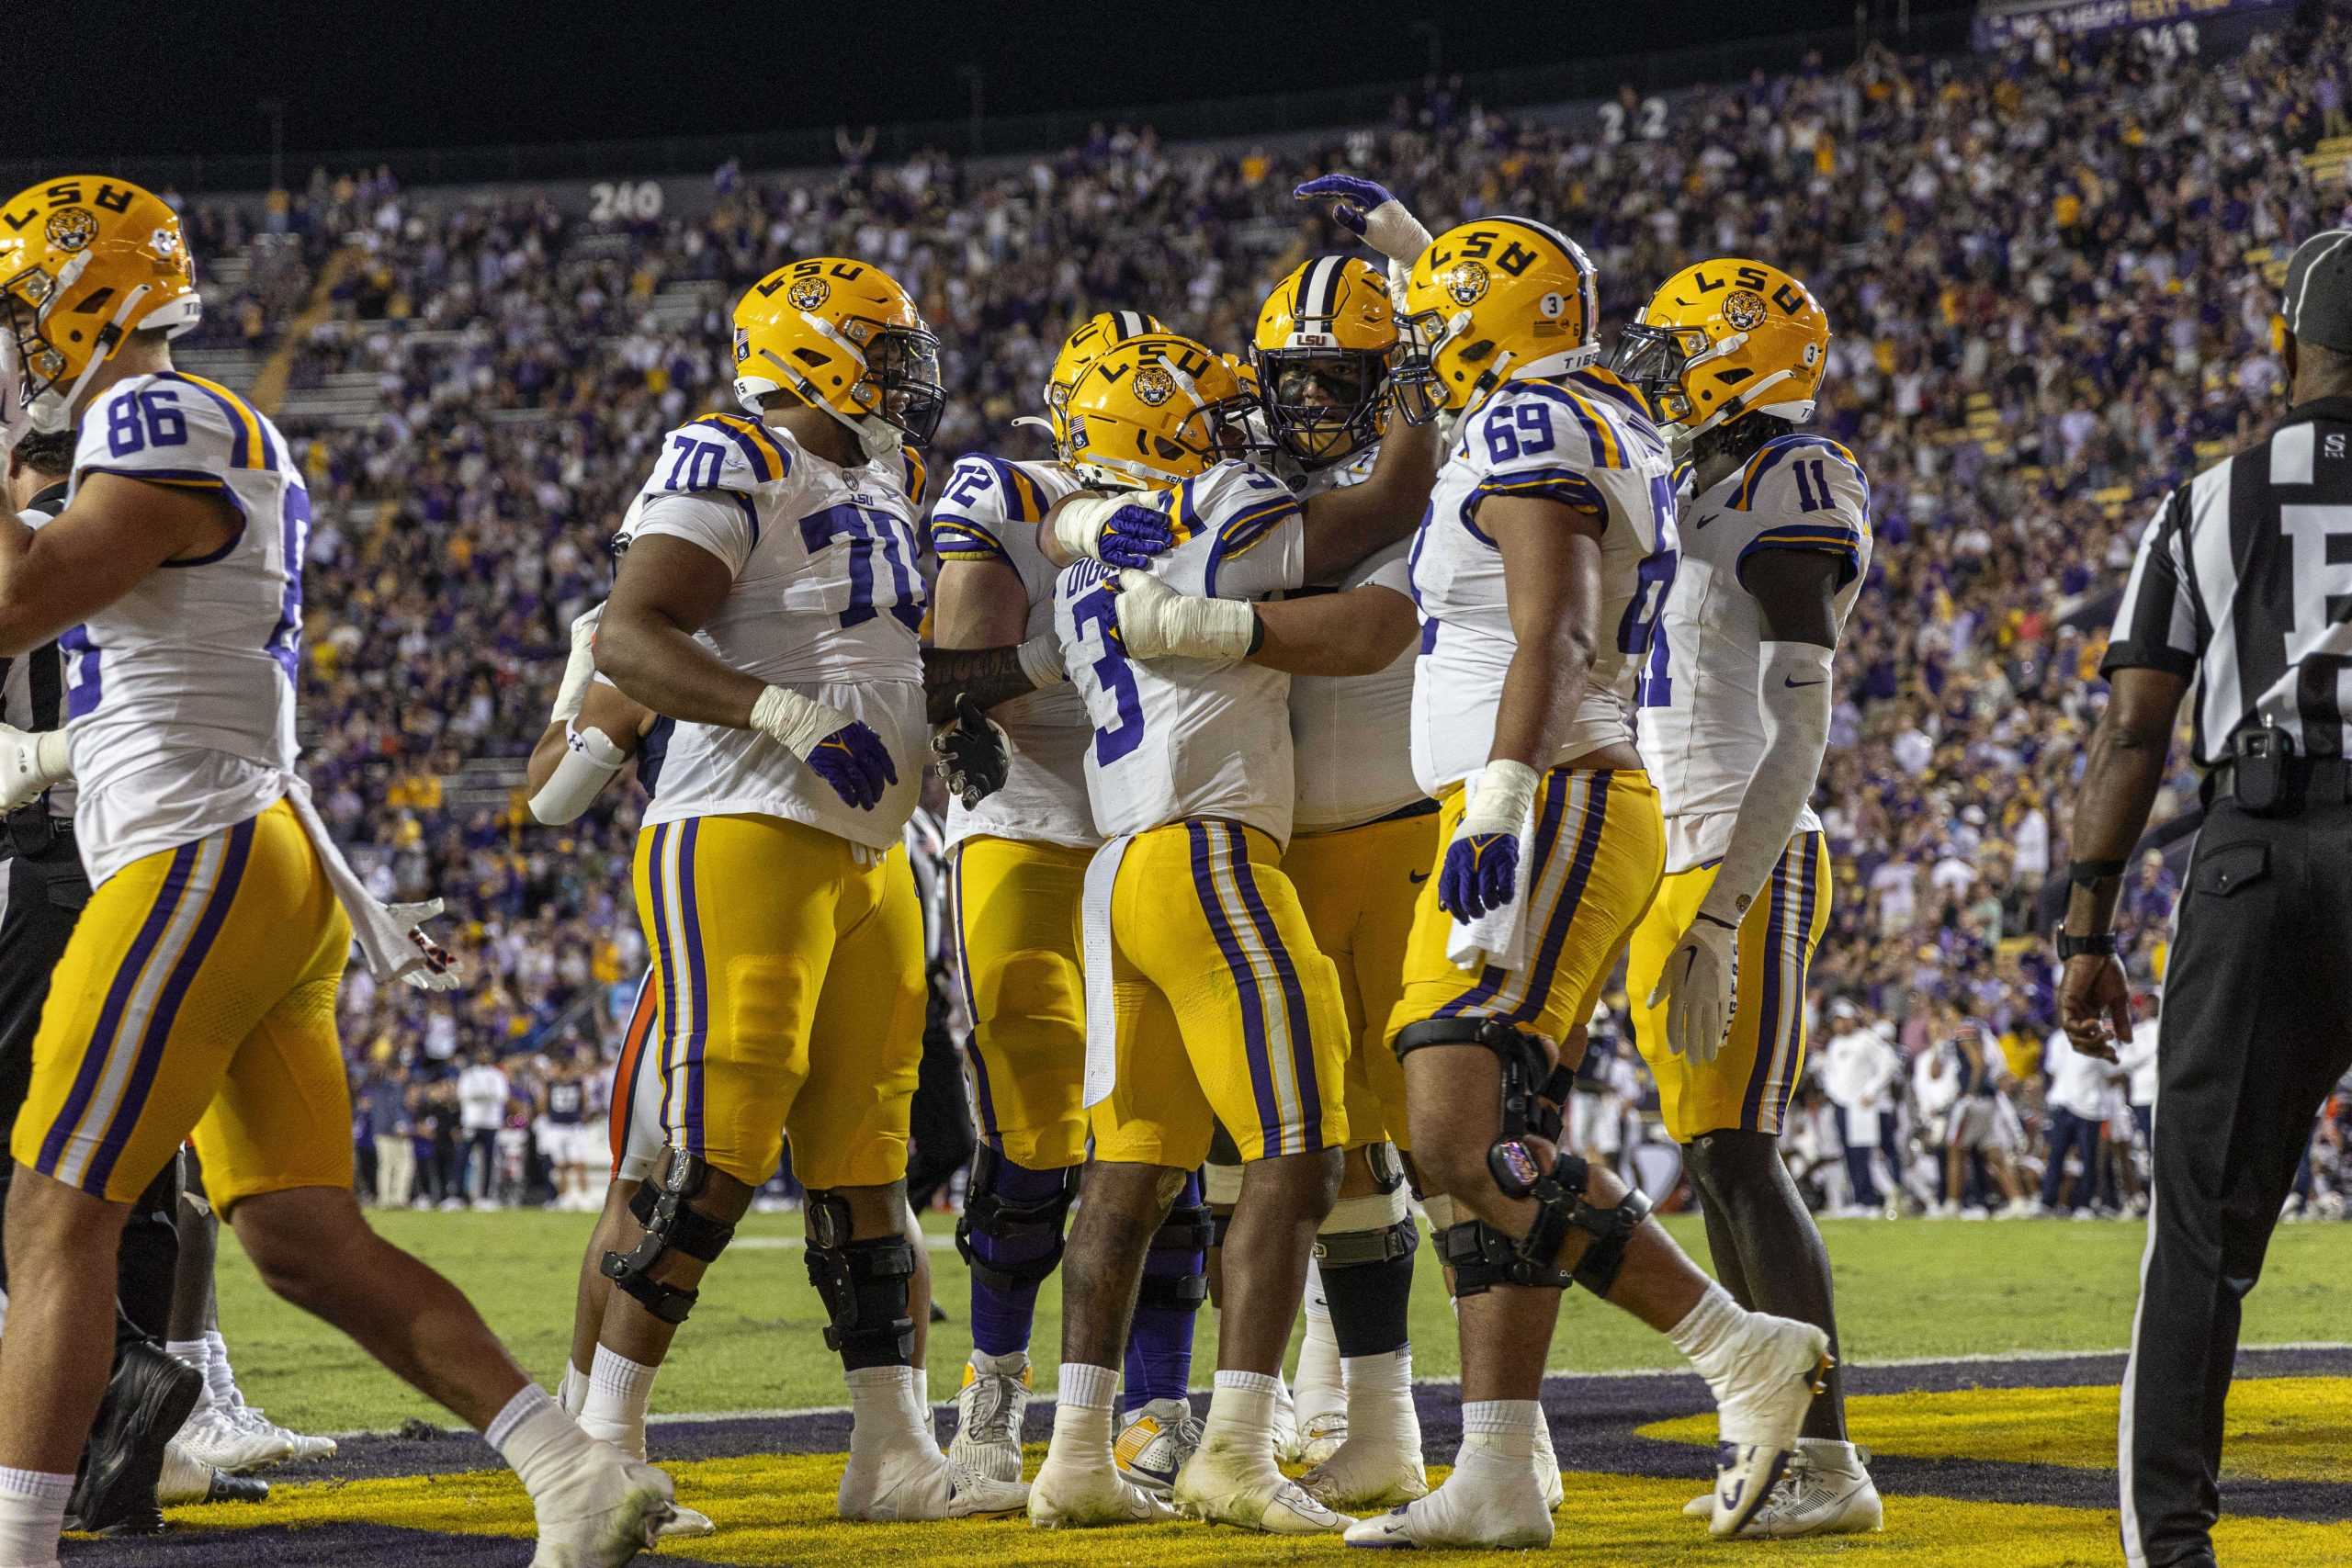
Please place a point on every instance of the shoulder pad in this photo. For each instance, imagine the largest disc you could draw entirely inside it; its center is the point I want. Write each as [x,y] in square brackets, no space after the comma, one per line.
[173,428]
[982,499]
[1232,495]
[917,475]
[723,451]
[1783,473]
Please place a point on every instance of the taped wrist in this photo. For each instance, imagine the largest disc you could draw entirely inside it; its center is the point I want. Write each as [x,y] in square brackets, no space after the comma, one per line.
[579,669]
[1502,797]
[1395,232]
[1078,523]
[1041,661]
[589,762]
[795,722]
[52,758]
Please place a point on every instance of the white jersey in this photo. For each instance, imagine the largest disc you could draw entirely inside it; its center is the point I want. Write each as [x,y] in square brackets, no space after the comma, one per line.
[1179,738]
[1580,439]
[826,598]
[1701,729]
[988,510]
[179,695]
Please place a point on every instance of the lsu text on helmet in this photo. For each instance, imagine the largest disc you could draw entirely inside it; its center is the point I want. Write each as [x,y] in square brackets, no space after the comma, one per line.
[85,260]
[1498,298]
[1154,410]
[844,336]
[1723,339]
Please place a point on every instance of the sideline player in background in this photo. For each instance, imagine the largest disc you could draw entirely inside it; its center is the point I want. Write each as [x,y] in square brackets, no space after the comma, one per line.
[197,995]
[1540,568]
[1019,861]
[1733,709]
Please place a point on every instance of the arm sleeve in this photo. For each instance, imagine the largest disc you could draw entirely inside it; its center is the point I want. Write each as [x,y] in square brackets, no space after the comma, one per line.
[2156,626]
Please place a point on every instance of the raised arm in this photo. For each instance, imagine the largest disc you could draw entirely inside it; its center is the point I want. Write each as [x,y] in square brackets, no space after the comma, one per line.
[1346,524]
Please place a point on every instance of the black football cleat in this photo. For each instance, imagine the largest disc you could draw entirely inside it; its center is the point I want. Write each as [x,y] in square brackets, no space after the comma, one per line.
[147,1400]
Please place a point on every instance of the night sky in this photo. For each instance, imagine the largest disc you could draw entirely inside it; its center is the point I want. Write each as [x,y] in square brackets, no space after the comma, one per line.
[186,79]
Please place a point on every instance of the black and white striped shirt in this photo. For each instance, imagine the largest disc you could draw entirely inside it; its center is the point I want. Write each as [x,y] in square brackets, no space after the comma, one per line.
[32,688]
[2244,581]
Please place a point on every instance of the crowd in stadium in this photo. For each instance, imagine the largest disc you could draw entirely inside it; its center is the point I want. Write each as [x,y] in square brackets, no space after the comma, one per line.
[2036,266]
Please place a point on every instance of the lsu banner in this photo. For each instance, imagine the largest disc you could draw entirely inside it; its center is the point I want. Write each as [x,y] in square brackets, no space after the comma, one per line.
[2004,22]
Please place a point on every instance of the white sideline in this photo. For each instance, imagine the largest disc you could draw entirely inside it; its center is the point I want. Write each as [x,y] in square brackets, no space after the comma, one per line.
[707,1418]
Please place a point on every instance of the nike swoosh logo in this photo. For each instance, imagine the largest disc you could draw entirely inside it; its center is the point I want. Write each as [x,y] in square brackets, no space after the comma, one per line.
[1792,682]
[1417,877]
[1702,522]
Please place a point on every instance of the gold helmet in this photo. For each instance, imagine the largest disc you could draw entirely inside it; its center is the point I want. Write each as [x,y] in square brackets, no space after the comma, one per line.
[1154,410]
[1497,298]
[1322,348]
[846,338]
[1084,346]
[1725,339]
[84,261]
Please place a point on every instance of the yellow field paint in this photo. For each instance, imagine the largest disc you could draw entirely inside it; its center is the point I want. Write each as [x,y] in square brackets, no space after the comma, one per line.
[2277,1428]
[776,1511]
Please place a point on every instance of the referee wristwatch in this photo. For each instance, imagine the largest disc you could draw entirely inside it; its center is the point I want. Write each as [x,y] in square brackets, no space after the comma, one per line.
[2099,944]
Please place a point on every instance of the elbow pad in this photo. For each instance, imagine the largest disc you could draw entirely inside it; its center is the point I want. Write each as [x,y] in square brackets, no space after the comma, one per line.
[589,762]
[1792,694]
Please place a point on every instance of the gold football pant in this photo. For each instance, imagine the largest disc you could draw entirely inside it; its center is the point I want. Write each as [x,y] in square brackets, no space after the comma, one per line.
[1598,847]
[1015,912]
[790,973]
[197,997]
[1358,887]
[1747,1085]
[1224,1010]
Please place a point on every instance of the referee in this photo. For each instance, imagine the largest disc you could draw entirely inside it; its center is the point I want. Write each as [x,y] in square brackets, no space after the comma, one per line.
[2244,583]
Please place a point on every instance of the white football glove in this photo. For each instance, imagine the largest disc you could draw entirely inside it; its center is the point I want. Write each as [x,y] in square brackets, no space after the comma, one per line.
[441,972]
[579,668]
[1157,622]
[1701,980]
[29,763]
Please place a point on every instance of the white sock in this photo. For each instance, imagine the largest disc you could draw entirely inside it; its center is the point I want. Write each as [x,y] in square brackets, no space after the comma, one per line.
[1832,1453]
[1082,1415]
[1241,1411]
[1380,1397]
[885,1412]
[32,1514]
[536,1438]
[1321,1384]
[1706,1331]
[572,1390]
[619,1390]
[219,1378]
[194,1353]
[1505,1428]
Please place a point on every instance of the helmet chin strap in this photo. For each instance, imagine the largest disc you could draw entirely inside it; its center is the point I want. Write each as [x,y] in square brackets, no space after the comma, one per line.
[877,438]
[1748,401]
[53,410]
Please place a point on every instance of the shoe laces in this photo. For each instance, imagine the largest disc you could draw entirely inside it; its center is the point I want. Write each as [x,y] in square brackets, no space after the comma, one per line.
[989,1418]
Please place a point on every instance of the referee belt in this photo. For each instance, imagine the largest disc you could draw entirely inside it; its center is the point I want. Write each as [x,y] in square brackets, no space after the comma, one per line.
[2310,781]
[34,832]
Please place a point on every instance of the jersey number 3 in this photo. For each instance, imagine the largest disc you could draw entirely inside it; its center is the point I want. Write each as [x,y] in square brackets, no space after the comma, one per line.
[1097,616]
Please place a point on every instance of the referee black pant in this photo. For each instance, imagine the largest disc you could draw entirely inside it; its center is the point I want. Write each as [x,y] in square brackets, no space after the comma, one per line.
[2257,1028]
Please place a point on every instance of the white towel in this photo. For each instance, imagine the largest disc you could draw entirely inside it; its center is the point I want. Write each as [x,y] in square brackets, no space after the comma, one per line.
[1094,931]
[1500,937]
[387,934]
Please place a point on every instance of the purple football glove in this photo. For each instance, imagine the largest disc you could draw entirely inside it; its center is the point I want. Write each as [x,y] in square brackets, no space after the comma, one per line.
[855,762]
[1352,198]
[1134,536]
[1481,874]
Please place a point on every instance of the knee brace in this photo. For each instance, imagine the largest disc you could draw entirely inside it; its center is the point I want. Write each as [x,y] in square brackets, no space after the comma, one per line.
[1360,1232]
[994,1221]
[672,1225]
[864,1285]
[1386,1165]
[1179,1247]
[1534,1088]
[1559,1205]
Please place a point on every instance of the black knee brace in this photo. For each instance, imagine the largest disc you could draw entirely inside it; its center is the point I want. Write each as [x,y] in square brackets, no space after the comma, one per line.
[1189,1228]
[671,1224]
[864,1285]
[1560,1204]
[1388,1167]
[1480,1257]
[987,1214]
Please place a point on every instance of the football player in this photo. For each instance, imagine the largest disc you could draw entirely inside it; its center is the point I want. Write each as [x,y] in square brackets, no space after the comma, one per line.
[767,603]
[197,996]
[1213,1005]
[1539,569]
[1018,859]
[1734,718]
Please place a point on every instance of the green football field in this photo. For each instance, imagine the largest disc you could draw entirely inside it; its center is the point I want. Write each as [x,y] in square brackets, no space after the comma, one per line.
[1906,1290]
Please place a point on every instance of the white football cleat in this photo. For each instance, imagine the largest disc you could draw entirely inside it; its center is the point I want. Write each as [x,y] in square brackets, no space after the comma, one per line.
[1366,1473]
[299,1446]
[1467,1511]
[1066,1497]
[685,1522]
[215,1436]
[906,1484]
[1321,1437]
[1778,1369]
[603,1514]
[988,1411]
[1224,1486]
[1548,1485]
[1812,1499]
[184,1478]
[1154,1444]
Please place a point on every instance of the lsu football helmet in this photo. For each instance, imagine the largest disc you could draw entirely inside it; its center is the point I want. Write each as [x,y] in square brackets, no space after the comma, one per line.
[1154,410]
[1726,338]
[1086,343]
[86,260]
[1488,300]
[1322,349]
[846,338]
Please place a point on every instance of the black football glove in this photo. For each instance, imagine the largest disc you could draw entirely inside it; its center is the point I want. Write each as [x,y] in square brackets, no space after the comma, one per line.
[973,758]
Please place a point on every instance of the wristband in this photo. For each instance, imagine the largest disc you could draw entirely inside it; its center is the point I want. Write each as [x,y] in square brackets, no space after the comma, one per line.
[1257,633]
[2085,873]
[2099,944]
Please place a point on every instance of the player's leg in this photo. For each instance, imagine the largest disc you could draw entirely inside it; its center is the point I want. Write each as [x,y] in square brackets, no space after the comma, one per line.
[634,1137]
[1014,910]
[1358,888]
[1265,1031]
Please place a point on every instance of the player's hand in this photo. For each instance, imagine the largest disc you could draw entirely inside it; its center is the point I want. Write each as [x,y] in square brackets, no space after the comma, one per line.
[1370,211]
[1700,979]
[579,668]
[440,971]
[29,763]
[1154,621]
[1481,873]
[2095,1004]
[1134,536]
[855,762]
[972,756]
